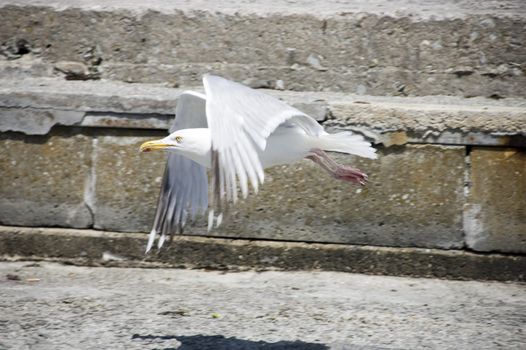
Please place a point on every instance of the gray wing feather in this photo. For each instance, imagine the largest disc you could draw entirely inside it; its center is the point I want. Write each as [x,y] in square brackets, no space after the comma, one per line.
[184,187]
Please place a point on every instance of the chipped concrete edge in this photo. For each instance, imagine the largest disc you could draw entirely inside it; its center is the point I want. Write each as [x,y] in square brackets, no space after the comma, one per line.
[101,248]
[34,106]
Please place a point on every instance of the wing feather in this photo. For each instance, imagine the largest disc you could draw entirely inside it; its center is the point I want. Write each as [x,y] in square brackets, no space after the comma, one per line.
[240,120]
[184,187]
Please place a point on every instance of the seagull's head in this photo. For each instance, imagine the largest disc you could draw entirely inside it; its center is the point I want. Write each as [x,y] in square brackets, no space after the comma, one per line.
[171,142]
[192,143]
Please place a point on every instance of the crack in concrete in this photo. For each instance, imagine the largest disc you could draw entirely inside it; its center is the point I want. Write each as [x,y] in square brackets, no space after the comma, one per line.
[467,217]
[90,183]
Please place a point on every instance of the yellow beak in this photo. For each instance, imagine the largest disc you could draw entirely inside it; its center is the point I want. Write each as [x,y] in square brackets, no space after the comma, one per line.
[153,145]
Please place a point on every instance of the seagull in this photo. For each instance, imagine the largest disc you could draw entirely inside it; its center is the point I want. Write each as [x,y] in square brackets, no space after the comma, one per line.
[237,132]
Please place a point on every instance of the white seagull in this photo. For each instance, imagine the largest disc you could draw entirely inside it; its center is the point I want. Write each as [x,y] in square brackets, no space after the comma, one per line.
[237,132]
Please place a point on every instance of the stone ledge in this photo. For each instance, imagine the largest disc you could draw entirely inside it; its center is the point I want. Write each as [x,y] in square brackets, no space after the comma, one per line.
[89,247]
[33,106]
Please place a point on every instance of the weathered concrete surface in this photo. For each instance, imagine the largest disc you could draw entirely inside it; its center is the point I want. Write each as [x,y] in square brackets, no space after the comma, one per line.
[36,105]
[495,218]
[33,106]
[415,10]
[414,198]
[433,119]
[99,248]
[300,202]
[88,96]
[461,48]
[126,183]
[36,188]
[35,121]
[64,307]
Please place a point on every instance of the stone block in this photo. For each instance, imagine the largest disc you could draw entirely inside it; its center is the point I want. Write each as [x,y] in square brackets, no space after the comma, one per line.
[495,218]
[414,198]
[127,182]
[44,179]
[404,49]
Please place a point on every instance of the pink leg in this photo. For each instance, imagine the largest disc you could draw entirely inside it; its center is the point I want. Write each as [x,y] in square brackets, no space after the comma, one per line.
[336,170]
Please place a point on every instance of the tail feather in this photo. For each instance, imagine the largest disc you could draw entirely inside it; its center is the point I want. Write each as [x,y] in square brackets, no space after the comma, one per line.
[346,142]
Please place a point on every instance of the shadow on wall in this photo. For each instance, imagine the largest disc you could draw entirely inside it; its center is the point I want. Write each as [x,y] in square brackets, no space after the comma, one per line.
[219,342]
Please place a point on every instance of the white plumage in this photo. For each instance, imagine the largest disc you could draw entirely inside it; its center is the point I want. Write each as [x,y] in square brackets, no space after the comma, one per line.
[237,132]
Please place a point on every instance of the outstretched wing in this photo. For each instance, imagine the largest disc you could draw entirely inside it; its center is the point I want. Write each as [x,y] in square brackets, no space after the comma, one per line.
[240,120]
[184,188]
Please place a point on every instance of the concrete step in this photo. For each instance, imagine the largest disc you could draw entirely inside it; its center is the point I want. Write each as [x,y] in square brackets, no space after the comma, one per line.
[443,180]
[117,249]
[401,47]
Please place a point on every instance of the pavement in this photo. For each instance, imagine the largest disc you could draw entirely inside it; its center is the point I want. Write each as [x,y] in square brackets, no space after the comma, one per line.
[418,9]
[53,306]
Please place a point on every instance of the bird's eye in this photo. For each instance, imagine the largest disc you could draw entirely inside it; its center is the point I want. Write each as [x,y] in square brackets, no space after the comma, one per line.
[179,139]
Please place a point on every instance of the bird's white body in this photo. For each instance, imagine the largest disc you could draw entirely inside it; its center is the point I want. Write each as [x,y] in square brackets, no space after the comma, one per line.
[237,132]
[284,146]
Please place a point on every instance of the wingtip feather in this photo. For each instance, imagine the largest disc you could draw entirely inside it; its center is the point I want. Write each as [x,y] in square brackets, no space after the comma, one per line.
[219,220]
[151,239]
[160,242]
[210,220]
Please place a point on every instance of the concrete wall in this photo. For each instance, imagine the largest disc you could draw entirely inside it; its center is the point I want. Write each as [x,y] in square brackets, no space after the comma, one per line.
[398,47]
[448,176]
[438,86]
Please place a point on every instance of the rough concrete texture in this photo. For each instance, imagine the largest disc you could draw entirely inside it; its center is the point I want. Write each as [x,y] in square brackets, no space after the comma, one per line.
[414,198]
[100,248]
[112,186]
[63,307]
[36,105]
[126,183]
[430,116]
[33,106]
[88,96]
[36,188]
[299,202]
[34,121]
[397,8]
[495,219]
[464,48]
